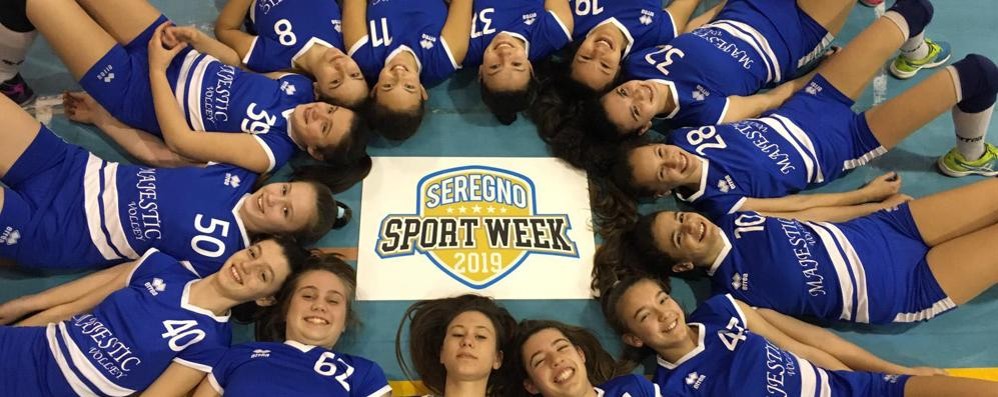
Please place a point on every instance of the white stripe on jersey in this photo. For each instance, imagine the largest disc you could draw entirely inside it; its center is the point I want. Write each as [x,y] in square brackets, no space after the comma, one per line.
[91,206]
[87,368]
[564,29]
[757,41]
[450,56]
[813,380]
[865,158]
[180,91]
[192,365]
[74,381]
[817,51]
[249,52]
[801,142]
[194,93]
[858,272]
[936,309]
[839,263]
[214,384]
[112,218]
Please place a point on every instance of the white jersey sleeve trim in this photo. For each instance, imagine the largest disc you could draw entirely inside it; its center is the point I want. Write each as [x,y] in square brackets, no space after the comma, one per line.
[87,368]
[266,149]
[139,262]
[74,381]
[192,365]
[187,265]
[194,91]
[180,90]
[252,47]
[450,55]
[724,111]
[925,314]
[214,384]
[658,390]
[738,309]
[564,29]
[737,206]
[701,334]
[382,391]
[675,29]
[675,95]
[308,45]
[356,46]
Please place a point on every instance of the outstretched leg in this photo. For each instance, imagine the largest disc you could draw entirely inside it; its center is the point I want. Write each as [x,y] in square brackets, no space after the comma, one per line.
[122,19]
[74,36]
[20,130]
[949,386]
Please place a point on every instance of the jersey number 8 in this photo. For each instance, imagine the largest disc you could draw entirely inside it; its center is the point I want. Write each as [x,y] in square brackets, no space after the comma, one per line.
[326,367]
[284,33]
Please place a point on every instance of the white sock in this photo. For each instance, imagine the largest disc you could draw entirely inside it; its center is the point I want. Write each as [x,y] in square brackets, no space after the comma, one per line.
[13,47]
[899,21]
[971,128]
[915,47]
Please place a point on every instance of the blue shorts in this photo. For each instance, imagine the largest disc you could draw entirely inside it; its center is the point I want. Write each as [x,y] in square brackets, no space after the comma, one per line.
[43,204]
[27,368]
[842,139]
[900,285]
[794,37]
[867,384]
[120,81]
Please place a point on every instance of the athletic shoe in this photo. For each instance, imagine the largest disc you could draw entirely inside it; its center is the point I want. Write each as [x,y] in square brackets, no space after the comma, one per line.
[871,3]
[17,90]
[904,68]
[953,163]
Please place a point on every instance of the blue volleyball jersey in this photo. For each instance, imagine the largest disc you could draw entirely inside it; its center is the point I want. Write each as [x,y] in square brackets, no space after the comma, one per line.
[730,360]
[644,23]
[628,385]
[410,25]
[542,31]
[131,337]
[295,369]
[219,97]
[286,29]
[867,270]
[189,213]
[761,158]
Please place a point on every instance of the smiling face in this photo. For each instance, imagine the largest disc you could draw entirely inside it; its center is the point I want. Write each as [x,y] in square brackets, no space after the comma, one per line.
[686,237]
[280,208]
[317,314]
[255,272]
[319,126]
[505,66]
[652,317]
[632,105]
[339,77]
[660,168]
[469,351]
[555,366]
[597,61]
[398,87]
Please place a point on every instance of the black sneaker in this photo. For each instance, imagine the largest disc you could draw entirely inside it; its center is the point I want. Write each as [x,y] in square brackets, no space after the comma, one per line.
[17,90]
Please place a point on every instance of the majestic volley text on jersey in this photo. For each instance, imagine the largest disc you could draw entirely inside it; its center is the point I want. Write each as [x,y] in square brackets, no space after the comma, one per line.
[868,270]
[643,22]
[749,45]
[286,29]
[73,210]
[411,25]
[730,360]
[527,20]
[295,369]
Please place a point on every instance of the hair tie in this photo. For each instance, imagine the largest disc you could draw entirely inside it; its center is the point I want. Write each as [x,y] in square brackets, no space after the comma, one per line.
[340,211]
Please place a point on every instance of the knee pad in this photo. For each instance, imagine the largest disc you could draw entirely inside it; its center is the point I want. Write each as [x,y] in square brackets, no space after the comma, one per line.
[14,17]
[918,14]
[978,81]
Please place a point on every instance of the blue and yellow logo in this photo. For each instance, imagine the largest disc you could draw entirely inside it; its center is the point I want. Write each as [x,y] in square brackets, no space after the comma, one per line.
[477,224]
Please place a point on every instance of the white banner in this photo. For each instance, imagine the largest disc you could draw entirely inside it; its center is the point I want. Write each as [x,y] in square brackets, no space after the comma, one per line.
[507,227]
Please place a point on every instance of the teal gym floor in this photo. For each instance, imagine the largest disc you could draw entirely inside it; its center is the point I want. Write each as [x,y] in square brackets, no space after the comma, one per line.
[458,124]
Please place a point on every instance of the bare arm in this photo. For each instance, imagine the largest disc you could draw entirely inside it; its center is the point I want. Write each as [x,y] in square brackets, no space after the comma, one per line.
[202,43]
[178,380]
[828,214]
[702,19]
[237,149]
[744,107]
[758,324]
[844,351]
[681,11]
[228,26]
[457,29]
[879,189]
[563,10]
[80,295]
[205,389]
[57,295]
[354,22]
[145,147]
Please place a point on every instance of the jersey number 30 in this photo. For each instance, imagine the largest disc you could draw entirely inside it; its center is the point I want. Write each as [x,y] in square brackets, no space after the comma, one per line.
[326,366]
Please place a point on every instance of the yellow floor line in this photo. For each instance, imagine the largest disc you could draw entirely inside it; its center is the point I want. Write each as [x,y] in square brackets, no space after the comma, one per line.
[408,389]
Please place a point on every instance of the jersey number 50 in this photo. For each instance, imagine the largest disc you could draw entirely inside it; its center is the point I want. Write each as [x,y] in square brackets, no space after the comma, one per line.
[216,246]
[326,366]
